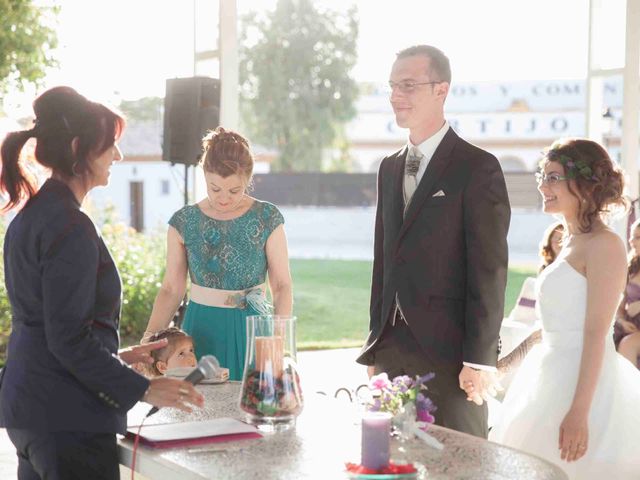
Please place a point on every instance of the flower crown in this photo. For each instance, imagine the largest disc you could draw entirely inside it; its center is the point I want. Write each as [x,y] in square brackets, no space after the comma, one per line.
[573,168]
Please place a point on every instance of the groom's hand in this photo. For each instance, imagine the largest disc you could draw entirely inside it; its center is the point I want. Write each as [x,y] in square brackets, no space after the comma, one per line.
[472,382]
[479,385]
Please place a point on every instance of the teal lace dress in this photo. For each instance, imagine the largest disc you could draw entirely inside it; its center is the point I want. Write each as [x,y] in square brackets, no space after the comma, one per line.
[226,255]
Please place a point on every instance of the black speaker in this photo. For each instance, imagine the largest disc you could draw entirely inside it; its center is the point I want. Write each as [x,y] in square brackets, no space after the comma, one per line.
[191,108]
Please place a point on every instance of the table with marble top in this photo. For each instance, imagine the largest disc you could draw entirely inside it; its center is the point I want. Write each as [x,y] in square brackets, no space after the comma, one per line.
[325,437]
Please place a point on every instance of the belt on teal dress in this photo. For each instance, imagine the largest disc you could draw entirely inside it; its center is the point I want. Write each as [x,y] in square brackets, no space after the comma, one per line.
[254,297]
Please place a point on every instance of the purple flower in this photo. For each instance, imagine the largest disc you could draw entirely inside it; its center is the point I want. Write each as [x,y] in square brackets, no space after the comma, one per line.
[375,406]
[425,408]
[425,416]
[425,403]
[425,378]
[403,383]
[391,396]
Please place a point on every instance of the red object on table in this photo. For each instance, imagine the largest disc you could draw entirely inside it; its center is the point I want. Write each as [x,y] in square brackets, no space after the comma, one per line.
[392,468]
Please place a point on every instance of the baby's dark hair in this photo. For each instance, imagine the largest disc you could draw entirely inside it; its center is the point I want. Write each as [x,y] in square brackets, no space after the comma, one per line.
[162,354]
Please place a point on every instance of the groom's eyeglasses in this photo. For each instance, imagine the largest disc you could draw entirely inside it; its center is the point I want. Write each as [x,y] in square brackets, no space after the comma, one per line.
[551,179]
[407,86]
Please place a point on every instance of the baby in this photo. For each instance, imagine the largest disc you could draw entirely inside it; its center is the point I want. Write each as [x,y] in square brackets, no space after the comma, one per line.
[177,354]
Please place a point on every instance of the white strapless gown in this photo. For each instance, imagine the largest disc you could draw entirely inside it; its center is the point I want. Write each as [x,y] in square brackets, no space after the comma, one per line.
[542,390]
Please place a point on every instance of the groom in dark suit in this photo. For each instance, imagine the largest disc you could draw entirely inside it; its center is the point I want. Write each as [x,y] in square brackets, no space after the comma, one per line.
[440,254]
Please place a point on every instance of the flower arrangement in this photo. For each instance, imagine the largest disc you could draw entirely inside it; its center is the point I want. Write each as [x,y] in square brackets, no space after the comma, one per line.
[404,398]
[393,395]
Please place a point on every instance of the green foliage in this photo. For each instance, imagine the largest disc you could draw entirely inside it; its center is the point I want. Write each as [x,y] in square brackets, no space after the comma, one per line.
[341,159]
[141,261]
[27,38]
[294,73]
[331,300]
[147,109]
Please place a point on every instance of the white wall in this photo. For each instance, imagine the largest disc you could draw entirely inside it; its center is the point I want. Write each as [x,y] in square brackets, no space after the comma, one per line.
[158,208]
[347,233]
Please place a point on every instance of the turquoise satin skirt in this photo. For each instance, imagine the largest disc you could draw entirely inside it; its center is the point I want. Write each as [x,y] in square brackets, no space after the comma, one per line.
[221,332]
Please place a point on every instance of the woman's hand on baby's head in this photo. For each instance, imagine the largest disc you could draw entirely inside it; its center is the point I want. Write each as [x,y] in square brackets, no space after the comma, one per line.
[141,353]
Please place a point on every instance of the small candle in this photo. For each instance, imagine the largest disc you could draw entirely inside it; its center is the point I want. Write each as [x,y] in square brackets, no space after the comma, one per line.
[270,355]
[376,429]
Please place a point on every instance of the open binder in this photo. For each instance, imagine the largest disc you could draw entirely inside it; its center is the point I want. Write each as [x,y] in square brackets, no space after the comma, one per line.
[184,434]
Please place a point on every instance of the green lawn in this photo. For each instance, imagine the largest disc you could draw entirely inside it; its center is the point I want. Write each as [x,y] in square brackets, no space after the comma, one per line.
[331,301]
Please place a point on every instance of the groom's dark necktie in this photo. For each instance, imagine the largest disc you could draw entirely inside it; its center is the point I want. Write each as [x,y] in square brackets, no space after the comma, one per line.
[411,167]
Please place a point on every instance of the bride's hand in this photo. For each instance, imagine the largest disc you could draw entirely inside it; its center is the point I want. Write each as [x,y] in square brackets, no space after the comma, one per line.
[574,436]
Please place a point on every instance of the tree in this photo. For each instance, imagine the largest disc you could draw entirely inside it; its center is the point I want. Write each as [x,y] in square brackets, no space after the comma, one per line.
[26,41]
[146,109]
[295,84]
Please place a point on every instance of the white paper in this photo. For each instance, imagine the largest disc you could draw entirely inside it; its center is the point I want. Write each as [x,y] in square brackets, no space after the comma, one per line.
[188,430]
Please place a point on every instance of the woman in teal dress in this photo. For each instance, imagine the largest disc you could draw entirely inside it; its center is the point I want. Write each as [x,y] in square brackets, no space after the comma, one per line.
[230,245]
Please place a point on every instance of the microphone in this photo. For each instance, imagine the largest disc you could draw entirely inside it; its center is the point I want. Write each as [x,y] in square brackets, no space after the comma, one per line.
[207,368]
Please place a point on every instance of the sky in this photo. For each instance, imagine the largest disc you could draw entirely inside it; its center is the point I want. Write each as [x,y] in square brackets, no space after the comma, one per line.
[126,49]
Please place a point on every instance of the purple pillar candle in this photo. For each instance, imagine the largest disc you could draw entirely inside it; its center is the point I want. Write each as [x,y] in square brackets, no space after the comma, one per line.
[376,429]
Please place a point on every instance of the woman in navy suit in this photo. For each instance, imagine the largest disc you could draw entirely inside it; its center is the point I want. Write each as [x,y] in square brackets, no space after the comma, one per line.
[64,392]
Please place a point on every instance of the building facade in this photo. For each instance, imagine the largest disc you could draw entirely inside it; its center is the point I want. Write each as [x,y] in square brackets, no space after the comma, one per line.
[513,120]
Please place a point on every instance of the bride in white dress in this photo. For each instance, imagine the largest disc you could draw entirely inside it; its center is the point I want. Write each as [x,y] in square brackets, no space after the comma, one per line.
[575,401]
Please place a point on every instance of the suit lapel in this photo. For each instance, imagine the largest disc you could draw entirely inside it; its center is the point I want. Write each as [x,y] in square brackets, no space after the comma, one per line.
[433,172]
[398,196]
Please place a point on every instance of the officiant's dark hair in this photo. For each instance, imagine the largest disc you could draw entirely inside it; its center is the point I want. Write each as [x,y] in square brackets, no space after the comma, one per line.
[439,64]
[61,115]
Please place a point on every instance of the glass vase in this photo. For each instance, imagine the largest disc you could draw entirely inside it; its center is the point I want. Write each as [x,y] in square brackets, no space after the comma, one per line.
[271,394]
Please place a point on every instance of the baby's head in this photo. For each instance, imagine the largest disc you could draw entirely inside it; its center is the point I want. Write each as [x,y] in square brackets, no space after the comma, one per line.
[178,352]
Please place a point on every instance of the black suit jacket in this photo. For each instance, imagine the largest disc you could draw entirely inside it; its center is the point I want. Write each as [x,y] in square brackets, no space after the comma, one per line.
[447,259]
[62,372]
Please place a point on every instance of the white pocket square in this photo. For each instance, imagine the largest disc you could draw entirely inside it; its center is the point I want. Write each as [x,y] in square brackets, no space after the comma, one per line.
[439,193]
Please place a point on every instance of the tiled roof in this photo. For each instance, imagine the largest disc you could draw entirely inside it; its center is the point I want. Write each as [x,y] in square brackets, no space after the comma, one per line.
[142,139]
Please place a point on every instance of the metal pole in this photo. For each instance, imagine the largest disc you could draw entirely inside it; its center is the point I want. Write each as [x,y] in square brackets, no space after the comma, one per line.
[593,120]
[228,48]
[195,60]
[186,184]
[631,97]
